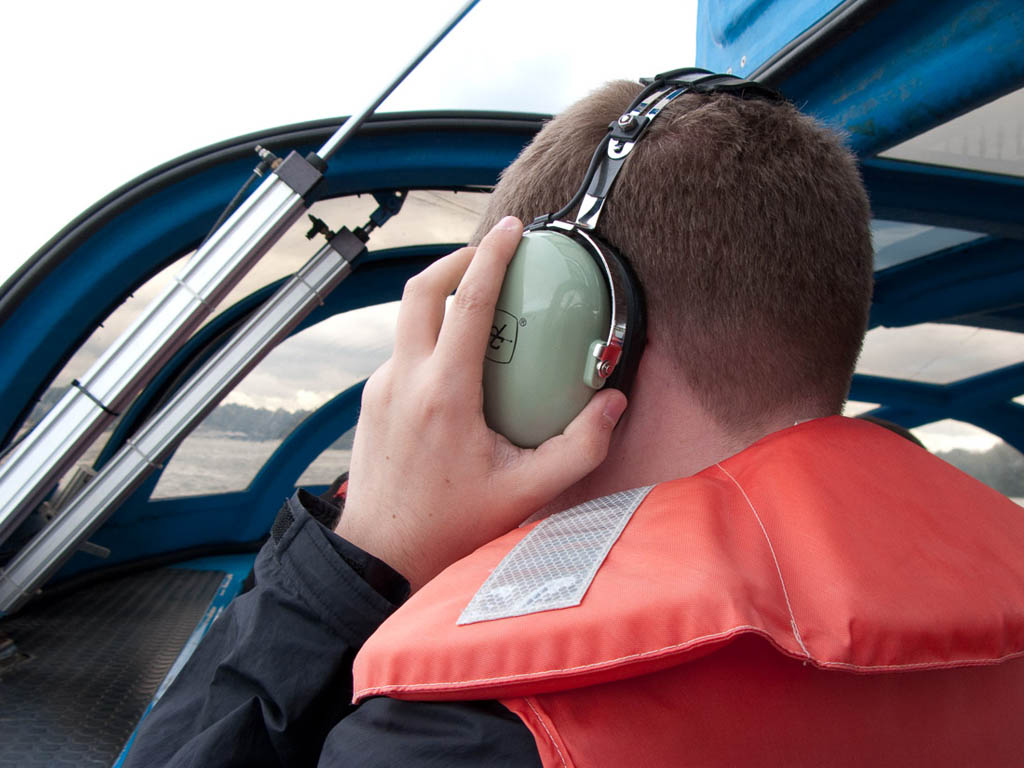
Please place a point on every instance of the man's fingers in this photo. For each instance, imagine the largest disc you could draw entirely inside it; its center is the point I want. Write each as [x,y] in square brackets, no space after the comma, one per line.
[566,458]
[467,323]
[422,309]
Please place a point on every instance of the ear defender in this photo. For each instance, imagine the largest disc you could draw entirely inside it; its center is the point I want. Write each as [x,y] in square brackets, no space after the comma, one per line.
[570,318]
[557,335]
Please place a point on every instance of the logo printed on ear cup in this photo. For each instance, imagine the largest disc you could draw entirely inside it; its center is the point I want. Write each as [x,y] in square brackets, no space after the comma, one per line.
[504,333]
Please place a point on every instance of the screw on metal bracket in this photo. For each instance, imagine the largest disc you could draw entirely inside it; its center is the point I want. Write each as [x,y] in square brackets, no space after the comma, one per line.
[627,120]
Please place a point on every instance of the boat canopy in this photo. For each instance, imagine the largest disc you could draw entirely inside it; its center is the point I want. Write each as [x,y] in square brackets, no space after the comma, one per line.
[948,231]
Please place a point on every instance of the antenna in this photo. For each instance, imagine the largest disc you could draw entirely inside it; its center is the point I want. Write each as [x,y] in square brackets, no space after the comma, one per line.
[351,125]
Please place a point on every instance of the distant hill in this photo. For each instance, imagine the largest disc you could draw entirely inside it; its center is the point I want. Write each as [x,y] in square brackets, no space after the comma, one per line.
[1001,467]
[253,423]
[247,423]
[240,421]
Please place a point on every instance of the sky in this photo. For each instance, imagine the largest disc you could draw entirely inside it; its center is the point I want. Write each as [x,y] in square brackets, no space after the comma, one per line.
[98,93]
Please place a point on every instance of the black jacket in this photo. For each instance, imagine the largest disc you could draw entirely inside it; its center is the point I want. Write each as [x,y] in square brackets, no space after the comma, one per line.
[271,683]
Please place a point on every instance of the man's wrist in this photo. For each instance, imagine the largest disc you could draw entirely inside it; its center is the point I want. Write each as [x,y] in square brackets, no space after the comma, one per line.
[385,580]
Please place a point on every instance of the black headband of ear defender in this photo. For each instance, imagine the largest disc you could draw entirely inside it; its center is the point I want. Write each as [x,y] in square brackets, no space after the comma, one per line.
[627,332]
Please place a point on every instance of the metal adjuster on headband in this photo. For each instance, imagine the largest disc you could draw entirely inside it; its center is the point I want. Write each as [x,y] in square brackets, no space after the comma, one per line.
[608,159]
[608,352]
[625,132]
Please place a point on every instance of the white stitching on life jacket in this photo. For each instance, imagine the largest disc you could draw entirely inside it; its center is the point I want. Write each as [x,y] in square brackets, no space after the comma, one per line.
[785,592]
[923,664]
[389,688]
[696,641]
[529,703]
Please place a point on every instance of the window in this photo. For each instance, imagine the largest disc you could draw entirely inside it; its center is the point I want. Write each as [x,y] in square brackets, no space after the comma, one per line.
[857,407]
[896,242]
[977,452]
[938,353]
[990,138]
[86,355]
[231,445]
[331,463]
[427,217]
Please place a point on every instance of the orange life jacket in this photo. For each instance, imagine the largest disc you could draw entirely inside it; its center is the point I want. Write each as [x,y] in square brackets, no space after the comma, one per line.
[831,596]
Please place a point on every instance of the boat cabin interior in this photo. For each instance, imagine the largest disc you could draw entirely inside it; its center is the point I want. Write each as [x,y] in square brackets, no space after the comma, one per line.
[114,564]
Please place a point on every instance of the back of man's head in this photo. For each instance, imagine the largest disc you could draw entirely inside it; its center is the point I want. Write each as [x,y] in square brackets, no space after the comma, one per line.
[748,227]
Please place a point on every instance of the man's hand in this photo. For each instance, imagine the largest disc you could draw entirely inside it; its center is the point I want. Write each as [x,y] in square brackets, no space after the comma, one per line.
[430,481]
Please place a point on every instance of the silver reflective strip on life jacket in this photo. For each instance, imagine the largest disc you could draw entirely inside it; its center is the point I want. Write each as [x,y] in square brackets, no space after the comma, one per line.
[554,564]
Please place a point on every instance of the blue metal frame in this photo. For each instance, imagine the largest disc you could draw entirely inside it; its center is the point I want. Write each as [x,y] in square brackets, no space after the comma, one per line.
[945,197]
[738,36]
[979,281]
[884,72]
[925,63]
[985,400]
[142,527]
[141,229]
[907,67]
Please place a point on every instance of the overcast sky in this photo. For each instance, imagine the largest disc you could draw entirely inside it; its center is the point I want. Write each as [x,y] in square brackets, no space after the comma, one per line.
[98,93]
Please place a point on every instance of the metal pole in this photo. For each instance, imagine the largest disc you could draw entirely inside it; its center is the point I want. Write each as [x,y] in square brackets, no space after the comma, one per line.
[57,441]
[132,360]
[274,320]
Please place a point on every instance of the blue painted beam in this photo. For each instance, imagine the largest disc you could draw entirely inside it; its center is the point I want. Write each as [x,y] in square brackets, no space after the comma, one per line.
[885,71]
[976,277]
[1005,420]
[898,392]
[985,400]
[945,197]
[1000,385]
[77,279]
[914,66]
[738,36]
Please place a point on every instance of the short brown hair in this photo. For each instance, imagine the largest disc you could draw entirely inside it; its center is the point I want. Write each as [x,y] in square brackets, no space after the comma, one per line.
[749,228]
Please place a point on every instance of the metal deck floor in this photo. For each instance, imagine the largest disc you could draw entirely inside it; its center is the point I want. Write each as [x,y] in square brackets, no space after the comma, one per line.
[89,663]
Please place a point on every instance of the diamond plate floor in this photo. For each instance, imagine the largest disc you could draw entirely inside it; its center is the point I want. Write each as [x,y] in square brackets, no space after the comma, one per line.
[89,663]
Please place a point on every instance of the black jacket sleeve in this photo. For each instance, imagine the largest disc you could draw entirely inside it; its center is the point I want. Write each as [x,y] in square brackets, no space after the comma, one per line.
[272,680]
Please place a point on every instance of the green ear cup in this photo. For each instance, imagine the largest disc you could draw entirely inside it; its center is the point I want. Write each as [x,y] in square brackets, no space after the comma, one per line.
[554,305]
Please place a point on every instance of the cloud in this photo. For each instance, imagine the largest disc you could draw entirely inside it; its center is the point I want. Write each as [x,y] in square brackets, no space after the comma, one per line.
[311,367]
[193,84]
[948,435]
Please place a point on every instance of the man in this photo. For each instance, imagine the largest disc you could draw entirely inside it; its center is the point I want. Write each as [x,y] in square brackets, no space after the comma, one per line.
[781,550]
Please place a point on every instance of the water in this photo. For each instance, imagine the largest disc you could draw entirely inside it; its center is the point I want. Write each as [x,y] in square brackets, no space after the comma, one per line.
[218,462]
